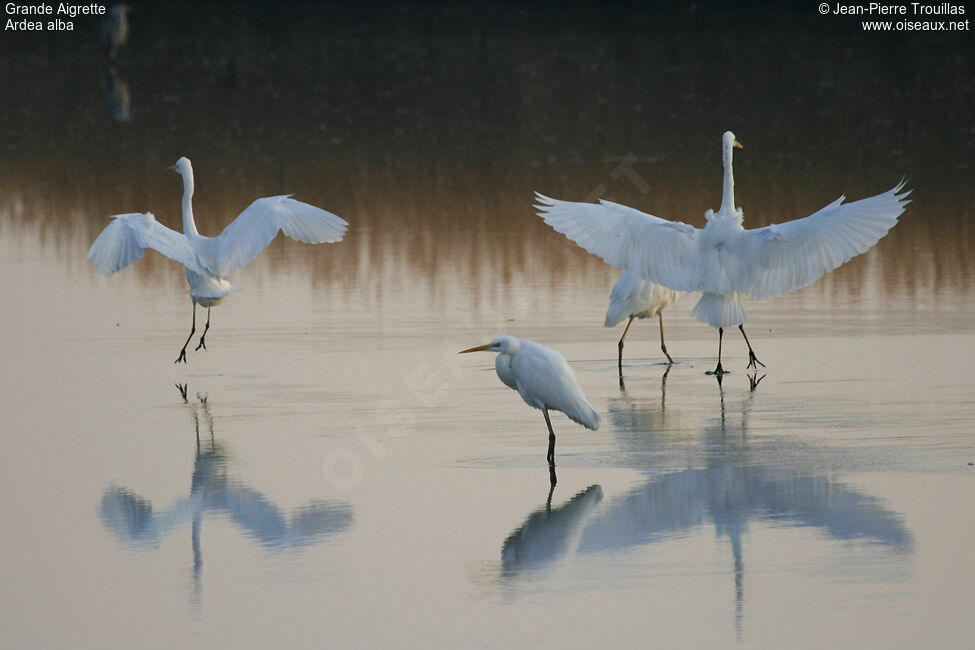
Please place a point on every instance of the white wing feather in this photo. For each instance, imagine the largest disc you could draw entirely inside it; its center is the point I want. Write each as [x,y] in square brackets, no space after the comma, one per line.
[258,225]
[127,237]
[545,379]
[665,252]
[772,261]
[761,263]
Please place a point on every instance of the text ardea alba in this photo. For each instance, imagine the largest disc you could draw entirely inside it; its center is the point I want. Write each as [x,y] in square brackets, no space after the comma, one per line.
[544,379]
[723,260]
[632,298]
[209,260]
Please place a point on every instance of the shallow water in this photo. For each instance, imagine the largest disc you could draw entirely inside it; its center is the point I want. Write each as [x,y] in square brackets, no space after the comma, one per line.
[330,472]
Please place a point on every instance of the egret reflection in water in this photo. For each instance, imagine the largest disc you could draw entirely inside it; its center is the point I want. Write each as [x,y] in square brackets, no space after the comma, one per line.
[118,99]
[731,490]
[547,533]
[214,491]
[730,482]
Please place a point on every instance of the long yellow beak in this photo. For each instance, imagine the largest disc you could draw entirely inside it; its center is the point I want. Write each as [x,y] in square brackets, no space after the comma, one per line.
[480,348]
[737,144]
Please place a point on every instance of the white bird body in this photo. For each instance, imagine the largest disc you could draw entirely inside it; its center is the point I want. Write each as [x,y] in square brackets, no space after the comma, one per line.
[634,297]
[543,378]
[723,260]
[208,260]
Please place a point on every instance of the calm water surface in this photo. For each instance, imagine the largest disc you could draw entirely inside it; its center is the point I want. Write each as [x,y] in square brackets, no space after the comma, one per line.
[330,473]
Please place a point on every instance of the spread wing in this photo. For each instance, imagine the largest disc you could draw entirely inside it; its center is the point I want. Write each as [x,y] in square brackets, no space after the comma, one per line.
[664,252]
[127,237]
[783,257]
[259,224]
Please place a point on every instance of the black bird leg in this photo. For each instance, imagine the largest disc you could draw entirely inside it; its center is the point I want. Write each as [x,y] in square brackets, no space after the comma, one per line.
[752,359]
[663,346]
[551,440]
[719,370]
[625,330]
[204,335]
[182,353]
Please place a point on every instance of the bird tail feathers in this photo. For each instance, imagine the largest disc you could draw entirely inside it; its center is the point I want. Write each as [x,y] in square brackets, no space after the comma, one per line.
[719,311]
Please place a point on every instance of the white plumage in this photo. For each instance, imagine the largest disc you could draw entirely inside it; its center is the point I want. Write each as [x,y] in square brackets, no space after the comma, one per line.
[723,260]
[544,379]
[208,260]
[633,297]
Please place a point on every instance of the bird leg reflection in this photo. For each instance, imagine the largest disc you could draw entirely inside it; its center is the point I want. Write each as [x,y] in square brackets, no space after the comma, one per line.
[182,353]
[552,479]
[551,440]
[753,381]
[207,327]
[752,359]
[625,330]
[663,346]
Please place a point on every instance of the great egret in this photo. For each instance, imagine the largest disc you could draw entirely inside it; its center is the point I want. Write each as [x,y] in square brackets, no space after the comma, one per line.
[209,260]
[723,260]
[633,297]
[544,379]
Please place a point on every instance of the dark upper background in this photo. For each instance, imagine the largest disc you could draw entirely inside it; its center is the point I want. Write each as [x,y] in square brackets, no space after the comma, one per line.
[434,118]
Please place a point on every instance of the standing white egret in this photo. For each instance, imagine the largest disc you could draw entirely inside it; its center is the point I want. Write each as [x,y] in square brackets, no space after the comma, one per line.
[723,260]
[544,379]
[209,260]
[633,297]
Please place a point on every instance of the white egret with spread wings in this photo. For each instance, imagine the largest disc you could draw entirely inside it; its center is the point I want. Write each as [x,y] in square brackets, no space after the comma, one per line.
[723,260]
[209,260]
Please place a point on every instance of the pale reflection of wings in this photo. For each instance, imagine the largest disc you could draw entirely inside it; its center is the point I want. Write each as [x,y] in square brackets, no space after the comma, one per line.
[730,497]
[547,534]
[268,525]
[729,488]
[133,519]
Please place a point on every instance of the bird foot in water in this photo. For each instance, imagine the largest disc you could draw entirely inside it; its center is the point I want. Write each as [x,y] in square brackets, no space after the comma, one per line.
[181,357]
[202,343]
[752,360]
[718,371]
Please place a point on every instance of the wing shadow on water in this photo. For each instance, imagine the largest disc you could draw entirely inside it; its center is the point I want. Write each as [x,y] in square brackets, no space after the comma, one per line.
[727,484]
[214,491]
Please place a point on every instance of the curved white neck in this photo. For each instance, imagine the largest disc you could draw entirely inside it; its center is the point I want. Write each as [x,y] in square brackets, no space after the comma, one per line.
[728,190]
[189,225]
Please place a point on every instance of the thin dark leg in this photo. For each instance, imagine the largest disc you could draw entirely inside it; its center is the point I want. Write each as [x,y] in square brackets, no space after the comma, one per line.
[718,370]
[204,335]
[625,330]
[551,440]
[752,359]
[182,353]
[552,480]
[663,346]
